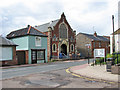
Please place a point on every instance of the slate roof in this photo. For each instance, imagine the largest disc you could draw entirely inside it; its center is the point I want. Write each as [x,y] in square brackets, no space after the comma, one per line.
[44,27]
[26,31]
[5,42]
[117,31]
[98,38]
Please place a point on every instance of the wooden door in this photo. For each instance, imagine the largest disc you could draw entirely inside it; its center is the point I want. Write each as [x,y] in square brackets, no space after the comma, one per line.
[21,57]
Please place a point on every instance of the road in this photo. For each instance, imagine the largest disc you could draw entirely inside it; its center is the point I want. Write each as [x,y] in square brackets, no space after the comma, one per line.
[48,76]
[23,71]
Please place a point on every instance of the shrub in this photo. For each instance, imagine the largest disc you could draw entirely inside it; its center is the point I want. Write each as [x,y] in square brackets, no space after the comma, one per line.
[118,59]
[109,56]
[99,60]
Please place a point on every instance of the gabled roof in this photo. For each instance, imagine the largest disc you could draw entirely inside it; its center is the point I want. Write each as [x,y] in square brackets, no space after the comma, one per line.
[5,42]
[95,38]
[117,31]
[26,31]
[44,27]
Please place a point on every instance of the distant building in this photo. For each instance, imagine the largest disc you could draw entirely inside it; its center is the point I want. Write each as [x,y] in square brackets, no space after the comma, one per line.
[85,42]
[7,52]
[32,45]
[117,41]
[61,37]
[119,14]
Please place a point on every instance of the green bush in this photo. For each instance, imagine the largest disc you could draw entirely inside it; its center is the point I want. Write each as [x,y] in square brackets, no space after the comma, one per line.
[99,60]
[118,59]
[109,56]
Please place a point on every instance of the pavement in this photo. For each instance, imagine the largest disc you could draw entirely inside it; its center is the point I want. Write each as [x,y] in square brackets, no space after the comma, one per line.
[94,72]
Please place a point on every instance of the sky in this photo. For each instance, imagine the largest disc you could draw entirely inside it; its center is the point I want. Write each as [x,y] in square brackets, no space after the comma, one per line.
[86,16]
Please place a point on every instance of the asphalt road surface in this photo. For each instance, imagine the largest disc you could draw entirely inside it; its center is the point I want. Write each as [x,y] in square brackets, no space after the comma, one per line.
[22,71]
[48,76]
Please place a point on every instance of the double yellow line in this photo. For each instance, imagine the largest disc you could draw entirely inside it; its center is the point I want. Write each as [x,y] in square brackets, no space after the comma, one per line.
[90,79]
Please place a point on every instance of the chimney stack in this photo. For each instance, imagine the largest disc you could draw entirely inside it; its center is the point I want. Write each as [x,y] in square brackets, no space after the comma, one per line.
[95,34]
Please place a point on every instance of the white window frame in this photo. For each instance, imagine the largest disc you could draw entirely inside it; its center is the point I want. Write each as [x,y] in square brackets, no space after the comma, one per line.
[36,42]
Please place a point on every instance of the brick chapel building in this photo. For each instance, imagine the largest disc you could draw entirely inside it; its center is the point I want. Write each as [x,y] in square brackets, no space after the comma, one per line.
[61,37]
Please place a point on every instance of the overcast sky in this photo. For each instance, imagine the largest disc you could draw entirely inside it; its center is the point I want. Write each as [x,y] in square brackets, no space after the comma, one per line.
[84,16]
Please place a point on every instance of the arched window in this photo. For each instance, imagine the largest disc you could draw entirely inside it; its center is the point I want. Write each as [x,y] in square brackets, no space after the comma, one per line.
[63,31]
[54,47]
[72,47]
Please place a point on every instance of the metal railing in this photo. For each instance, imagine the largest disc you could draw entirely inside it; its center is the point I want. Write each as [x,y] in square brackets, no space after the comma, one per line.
[73,56]
[116,57]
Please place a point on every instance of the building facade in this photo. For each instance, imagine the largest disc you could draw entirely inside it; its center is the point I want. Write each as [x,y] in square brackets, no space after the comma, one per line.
[61,37]
[32,45]
[117,41]
[86,43]
[7,52]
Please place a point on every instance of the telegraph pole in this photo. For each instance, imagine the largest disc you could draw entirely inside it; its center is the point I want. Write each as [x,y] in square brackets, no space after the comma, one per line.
[113,43]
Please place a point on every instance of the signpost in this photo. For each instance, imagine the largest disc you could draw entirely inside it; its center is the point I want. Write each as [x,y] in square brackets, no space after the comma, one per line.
[99,53]
[88,46]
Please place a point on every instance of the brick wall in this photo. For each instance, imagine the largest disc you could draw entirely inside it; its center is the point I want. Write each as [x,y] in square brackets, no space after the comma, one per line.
[104,45]
[56,32]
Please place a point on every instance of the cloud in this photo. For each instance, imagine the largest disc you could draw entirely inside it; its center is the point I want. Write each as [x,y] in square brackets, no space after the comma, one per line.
[81,14]
[89,13]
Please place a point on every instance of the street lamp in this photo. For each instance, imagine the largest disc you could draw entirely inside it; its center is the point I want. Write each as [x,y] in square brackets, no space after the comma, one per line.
[113,34]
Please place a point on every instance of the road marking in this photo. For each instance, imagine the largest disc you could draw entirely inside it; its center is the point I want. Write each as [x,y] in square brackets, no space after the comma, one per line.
[67,70]
[90,79]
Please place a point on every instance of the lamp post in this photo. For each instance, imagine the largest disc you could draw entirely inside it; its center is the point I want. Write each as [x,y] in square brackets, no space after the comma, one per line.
[113,34]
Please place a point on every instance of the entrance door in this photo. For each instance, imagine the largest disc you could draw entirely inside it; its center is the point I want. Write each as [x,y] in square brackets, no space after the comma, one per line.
[64,49]
[21,57]
[34,57]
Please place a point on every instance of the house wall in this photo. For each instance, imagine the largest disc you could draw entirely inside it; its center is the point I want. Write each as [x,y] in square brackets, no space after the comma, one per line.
[22,42]
[104,45]
[33,46]
[26,43]
[81,40]
[111,46]
[117,43]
